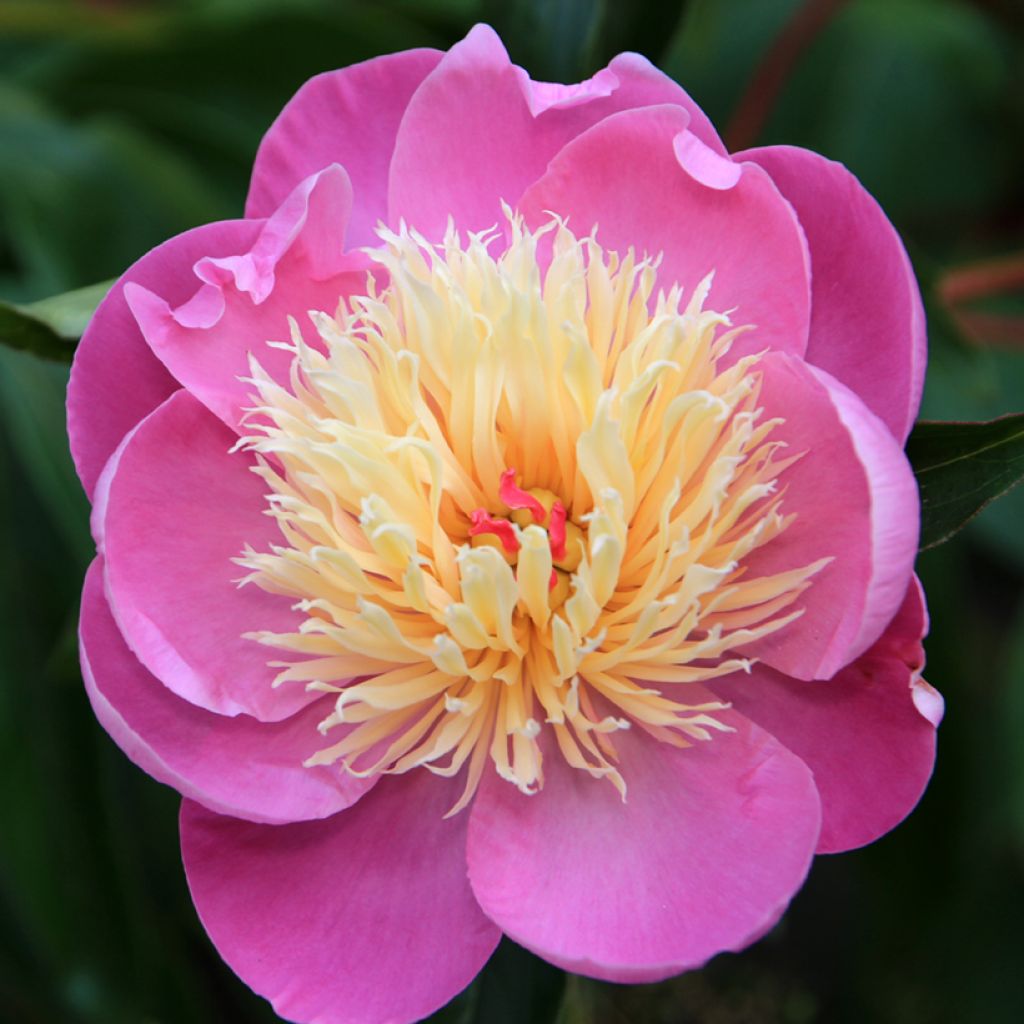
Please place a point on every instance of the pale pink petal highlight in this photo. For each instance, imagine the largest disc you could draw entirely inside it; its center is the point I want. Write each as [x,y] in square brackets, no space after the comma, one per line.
[867,319]
[862,733]
[703,164]
[646,184]
[180,508]
[541,96]
[703,856]
[235,766]
[363,918]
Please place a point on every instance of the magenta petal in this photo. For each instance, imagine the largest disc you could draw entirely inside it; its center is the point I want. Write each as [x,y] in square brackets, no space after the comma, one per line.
[629,81]
[867,320]
[648,183]
[179,509]
[855,501]
[241,302]
[235,766]
[478,130]
[703,856]
[643,85]
[363,918]
[868,734]
[115,378]
[349,117]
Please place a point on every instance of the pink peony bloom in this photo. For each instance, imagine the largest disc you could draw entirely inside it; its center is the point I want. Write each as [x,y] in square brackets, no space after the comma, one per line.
[505,528]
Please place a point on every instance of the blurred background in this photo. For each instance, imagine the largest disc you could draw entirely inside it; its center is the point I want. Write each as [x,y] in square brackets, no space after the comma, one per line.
[124,123]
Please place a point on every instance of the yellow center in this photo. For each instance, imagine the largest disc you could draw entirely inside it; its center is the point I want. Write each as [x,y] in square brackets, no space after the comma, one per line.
[399,433]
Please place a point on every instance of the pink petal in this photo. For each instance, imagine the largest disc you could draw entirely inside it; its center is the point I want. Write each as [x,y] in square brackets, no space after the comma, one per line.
[862,734]
[364,918]
[703,856]
[235,766]
[349,117]
[179,509]
[855,501]
[630,80]
[478,131]
[115,379]
[647,182]
[867,320]
[241,302]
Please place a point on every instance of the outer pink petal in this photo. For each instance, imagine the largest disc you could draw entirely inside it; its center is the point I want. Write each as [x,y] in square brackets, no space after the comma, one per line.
[478,130]
[867,320]
[115,379]
[364,918]
[239,303]
[179,509]
[868,734]
[855,501]
[235,766]
[703,856]
[647,182]
[349,117]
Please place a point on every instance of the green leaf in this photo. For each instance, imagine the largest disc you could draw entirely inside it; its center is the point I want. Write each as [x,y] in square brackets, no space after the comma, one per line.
[961,467]
[50,328]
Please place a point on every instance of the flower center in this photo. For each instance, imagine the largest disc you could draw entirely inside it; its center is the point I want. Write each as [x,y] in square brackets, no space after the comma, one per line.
[516,496]
[534,507]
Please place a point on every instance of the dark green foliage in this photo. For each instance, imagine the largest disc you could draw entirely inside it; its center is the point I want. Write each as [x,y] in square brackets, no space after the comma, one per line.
[51,327]
[961,467]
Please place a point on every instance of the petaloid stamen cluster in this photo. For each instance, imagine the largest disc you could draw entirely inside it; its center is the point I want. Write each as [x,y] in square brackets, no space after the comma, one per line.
[456,629]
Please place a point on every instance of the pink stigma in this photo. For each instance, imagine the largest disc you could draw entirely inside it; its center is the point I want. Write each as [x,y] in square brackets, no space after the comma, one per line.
[556,530]
[516,497]
[483,522]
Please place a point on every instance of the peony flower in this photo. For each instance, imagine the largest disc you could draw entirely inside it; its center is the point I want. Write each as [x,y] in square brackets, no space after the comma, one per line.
[505,528]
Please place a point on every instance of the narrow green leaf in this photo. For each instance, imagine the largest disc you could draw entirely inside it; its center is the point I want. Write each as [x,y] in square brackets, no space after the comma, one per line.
[50,328]
[961,467]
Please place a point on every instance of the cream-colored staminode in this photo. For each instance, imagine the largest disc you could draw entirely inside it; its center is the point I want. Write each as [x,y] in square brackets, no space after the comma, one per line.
[448,653]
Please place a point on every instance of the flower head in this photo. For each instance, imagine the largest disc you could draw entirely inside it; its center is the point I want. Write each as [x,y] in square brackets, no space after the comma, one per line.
[538,508]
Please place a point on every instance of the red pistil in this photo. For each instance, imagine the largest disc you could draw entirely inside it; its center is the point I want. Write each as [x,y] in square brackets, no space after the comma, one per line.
[556,530]
[516,497]
[483,522]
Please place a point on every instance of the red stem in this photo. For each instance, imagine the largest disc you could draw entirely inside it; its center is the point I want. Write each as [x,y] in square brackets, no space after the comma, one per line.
[771,75]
